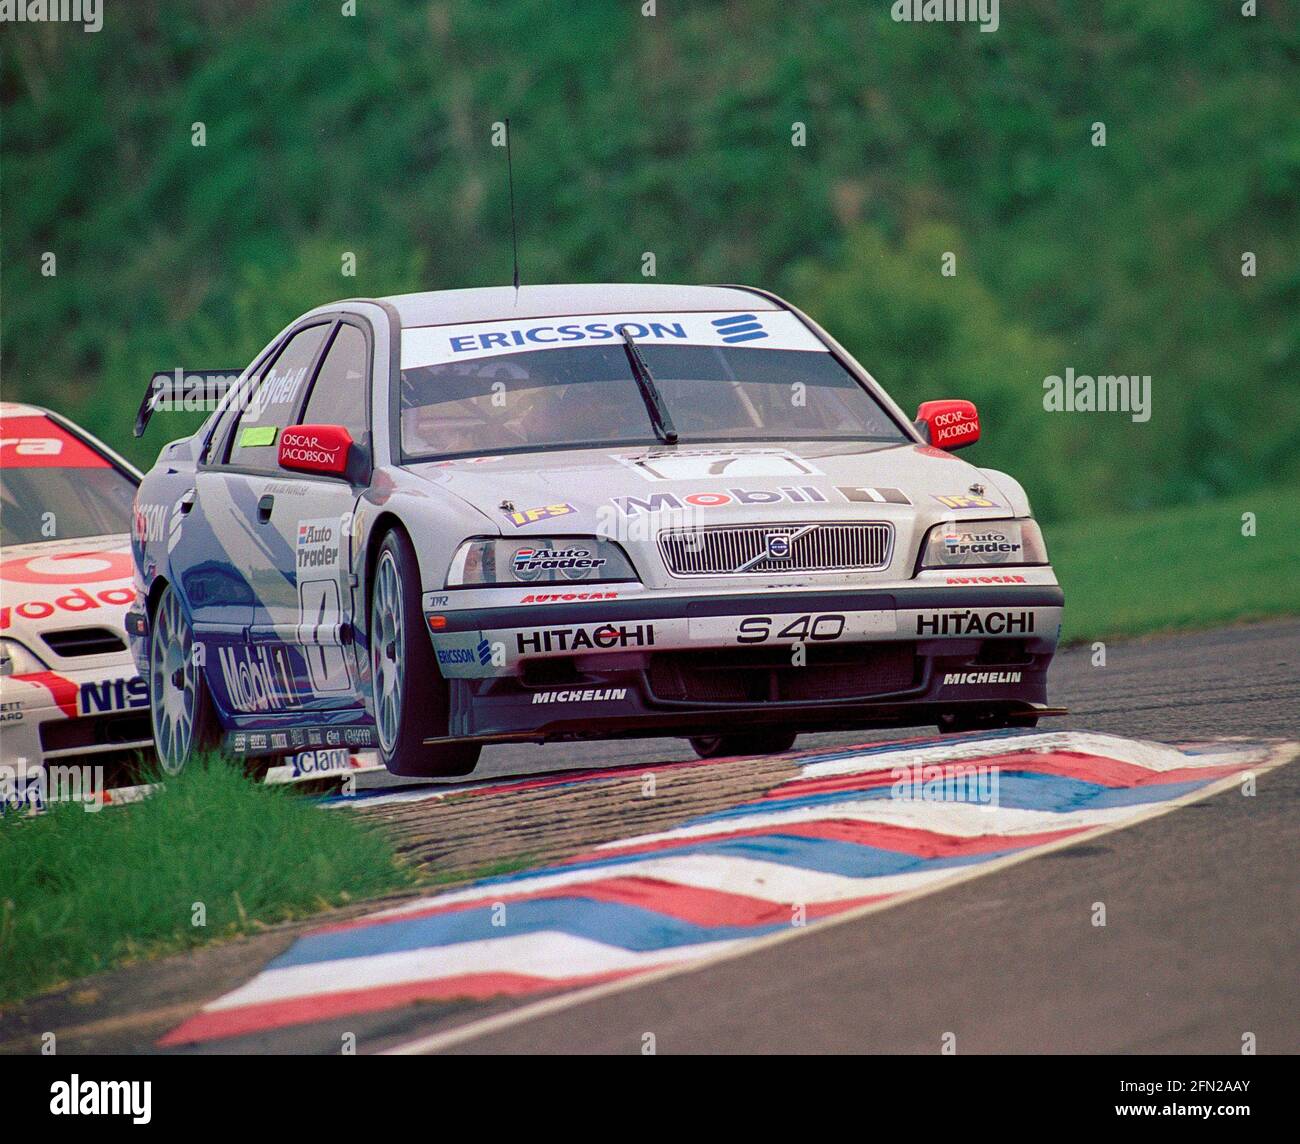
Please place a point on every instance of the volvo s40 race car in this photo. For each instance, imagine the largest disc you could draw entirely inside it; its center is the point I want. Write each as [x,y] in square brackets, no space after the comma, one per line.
[69,689]
[439,520]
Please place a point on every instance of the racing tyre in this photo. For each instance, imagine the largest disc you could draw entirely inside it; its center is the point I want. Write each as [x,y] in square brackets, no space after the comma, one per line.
[180,708]
[749,743]
[411,697]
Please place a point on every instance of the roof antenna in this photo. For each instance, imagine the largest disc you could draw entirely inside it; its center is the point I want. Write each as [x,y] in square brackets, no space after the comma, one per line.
[510,174]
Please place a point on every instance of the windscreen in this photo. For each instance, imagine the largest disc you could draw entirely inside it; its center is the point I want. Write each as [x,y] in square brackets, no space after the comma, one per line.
[484,388]
[54,486]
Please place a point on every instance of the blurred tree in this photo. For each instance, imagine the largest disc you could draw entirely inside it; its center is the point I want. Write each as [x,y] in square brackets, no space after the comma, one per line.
[326,133]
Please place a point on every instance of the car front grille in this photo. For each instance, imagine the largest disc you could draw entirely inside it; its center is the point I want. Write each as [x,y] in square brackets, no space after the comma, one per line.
[72,642]
[750,549]
[751,676]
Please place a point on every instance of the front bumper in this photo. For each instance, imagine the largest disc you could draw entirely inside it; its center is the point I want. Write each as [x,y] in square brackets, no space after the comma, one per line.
[646,663]
[92,715]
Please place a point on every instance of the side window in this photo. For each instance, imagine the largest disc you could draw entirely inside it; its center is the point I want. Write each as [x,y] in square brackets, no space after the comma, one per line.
[212,450]
[273,401]
[339,395]
[216,445]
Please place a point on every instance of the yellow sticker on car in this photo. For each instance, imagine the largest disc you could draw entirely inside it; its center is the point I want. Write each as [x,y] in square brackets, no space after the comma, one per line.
[523,516]
[961,500]
[257,435]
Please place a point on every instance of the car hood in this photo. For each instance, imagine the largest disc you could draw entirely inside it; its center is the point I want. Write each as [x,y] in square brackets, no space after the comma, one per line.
[726,483]
[629,494]
[80,583]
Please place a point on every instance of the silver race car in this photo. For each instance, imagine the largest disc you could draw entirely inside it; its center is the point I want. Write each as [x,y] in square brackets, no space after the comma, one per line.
[429,522]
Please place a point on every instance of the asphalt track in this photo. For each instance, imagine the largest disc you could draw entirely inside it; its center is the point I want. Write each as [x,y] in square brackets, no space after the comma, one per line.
[1199,948]
[1200,945]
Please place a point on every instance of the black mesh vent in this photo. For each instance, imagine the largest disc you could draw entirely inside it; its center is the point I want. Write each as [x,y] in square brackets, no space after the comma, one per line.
[768,676]
[72,642]
[95,731]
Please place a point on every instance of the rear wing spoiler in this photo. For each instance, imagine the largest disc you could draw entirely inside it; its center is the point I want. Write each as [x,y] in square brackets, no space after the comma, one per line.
[148,403]
[188,390]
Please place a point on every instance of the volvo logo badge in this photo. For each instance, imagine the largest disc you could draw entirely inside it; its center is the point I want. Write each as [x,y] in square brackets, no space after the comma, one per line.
[778,546]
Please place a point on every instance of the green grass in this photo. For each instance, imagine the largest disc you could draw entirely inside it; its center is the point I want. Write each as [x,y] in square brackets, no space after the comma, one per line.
[82,892]
[1187,567]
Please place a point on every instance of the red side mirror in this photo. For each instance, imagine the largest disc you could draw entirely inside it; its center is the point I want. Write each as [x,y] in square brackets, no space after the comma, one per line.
[953,423]
[315,449]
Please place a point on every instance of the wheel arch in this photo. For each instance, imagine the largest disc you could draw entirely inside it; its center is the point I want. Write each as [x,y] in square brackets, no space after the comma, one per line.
[156,589]
[385,523]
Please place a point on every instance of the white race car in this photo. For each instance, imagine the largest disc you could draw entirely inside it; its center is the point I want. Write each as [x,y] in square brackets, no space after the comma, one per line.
[69,691]
[435,521]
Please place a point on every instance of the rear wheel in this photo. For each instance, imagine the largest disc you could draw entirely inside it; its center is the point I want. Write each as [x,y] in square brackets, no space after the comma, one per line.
[746,743]
[180,708]
[411,697]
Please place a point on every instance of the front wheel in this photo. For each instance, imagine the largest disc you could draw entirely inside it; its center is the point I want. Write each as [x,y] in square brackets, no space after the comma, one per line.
[748,743]
[411,697]
[180,708]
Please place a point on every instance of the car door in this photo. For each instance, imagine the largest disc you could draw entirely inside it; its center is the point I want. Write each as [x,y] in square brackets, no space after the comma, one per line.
[263,675]
[207,535]
[313,612]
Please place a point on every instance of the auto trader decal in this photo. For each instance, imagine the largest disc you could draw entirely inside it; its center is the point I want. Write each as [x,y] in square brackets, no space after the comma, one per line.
[574,563]
[320,610]
[981,545]
[318,544]
[437,345]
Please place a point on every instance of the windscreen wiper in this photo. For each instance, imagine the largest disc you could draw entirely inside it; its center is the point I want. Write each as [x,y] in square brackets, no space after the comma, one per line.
[654,402]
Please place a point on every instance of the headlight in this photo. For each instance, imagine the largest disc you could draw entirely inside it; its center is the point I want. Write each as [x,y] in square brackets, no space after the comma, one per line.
[547,560]
[964,543]
[15,659]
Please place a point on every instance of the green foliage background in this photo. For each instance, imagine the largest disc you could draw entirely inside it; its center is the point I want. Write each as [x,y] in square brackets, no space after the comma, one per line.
[371,133]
